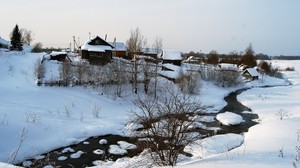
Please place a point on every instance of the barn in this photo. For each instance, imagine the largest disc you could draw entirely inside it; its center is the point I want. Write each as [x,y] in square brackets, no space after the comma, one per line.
[96,51]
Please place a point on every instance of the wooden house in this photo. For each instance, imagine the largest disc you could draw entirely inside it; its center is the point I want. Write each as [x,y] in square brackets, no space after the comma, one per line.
[171,57]
[97,51]
[119,49]
[250,74]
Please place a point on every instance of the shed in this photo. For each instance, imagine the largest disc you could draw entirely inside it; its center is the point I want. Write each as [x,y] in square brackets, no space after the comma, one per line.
[171,57]
[250,73]
[97,51]
[56,55]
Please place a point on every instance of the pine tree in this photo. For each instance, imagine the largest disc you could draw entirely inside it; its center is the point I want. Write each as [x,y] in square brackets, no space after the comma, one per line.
[16,39]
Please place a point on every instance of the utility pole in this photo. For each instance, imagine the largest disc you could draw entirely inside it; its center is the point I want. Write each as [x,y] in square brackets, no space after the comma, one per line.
[74,41]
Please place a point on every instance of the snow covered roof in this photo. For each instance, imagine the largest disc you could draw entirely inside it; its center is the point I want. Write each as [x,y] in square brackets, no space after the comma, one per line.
[227,66]
[251,71]
[173,72]
[96,48]
[118,46]
[151,51]
[4,42]
[171,55]
[56,53]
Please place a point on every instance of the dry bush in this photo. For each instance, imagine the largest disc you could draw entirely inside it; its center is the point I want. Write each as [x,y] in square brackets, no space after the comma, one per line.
[167,127]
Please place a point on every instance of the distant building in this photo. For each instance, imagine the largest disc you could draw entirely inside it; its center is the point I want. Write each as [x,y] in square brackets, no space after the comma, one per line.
[250,74]
[97,51]
[4,43]
[56,55]
[171,57]
[228,67]
[152,52]
[119,49]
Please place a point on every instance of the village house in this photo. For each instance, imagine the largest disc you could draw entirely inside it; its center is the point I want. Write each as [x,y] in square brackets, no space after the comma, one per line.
[171,57]
[250,74]
[119,49]
[97,51]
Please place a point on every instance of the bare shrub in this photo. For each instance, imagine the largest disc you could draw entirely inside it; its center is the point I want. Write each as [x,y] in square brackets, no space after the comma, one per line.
[68,110]
[282,114]
[227,78]
[32,117]
[189,82]
[289,69]
[166,124]
[65,73]
[23,136]
[39,71]
[96,110]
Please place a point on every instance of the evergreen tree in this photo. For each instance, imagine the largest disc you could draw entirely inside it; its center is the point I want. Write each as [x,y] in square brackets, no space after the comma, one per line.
[16,39]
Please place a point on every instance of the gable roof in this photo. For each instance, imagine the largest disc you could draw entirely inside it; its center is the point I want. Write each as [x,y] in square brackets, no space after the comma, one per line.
[252,71]
[96,44]
[171,55]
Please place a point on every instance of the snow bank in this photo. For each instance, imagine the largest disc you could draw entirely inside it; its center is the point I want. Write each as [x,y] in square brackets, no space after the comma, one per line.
[229,118]
[214,145]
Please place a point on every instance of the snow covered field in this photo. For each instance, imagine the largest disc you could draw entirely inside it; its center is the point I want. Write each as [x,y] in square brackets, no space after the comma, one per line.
[52,117]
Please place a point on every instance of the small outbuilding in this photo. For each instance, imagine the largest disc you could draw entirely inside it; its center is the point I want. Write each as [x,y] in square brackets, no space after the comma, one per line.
[250,74]
[97,51]
[56,55]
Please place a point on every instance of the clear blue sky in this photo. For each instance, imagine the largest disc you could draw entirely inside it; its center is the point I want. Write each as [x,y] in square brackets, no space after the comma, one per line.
[272,26]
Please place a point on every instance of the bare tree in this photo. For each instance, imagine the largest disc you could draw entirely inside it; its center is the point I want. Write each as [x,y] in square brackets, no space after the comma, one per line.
[158,46]
[134,46]
[189,82]
[27,36]
[213,57]
[37,47]
[65,73]
[248,58]
[167,125]
[136,41]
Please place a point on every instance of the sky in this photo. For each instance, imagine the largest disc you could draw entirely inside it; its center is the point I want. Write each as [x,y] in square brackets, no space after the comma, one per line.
[271,26]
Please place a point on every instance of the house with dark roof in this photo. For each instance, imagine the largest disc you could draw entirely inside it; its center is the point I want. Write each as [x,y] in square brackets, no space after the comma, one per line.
[97,51]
